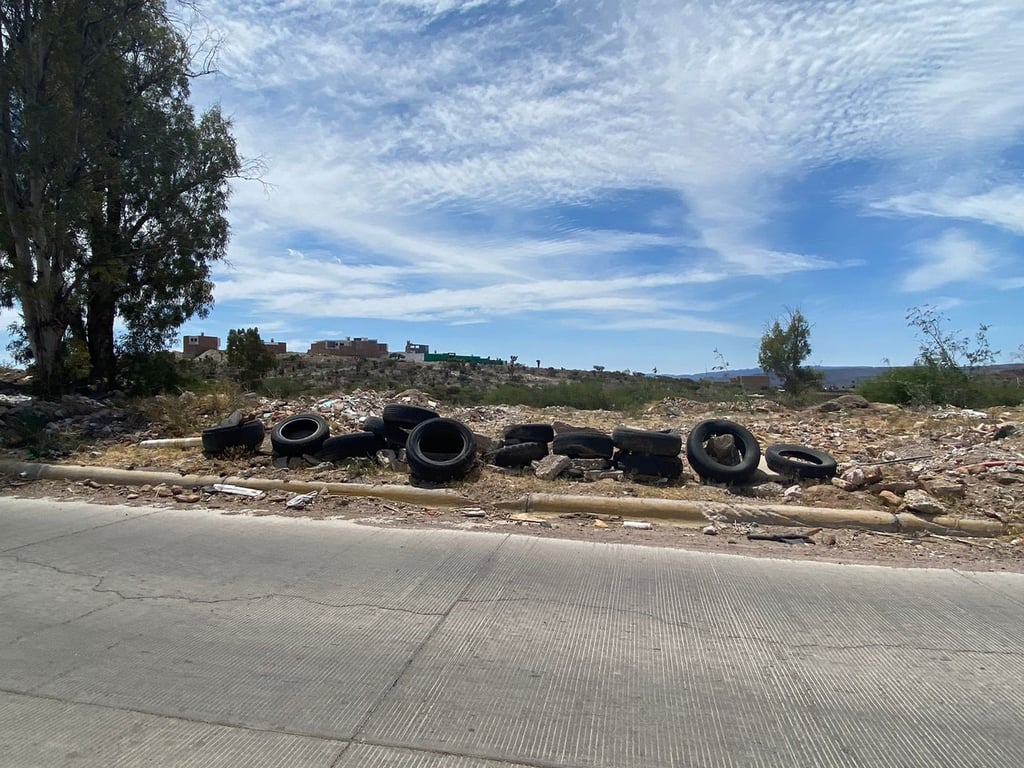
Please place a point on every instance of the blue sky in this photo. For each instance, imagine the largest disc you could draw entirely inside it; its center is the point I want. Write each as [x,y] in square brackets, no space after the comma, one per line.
[628,184]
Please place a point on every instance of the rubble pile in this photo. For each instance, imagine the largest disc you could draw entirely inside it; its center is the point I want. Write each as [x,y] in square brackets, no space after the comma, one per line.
[927,461]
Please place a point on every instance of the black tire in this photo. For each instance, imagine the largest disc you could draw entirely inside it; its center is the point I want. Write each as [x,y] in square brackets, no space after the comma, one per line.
[356,445]
[395,436]
[645,441]
[439,450]
[299,434]
[707,466]
[249,435]
[374,424]
[407,416]
[583,445]
[528,433]
[648,465]
[232,420]
[800,461]
[519,455]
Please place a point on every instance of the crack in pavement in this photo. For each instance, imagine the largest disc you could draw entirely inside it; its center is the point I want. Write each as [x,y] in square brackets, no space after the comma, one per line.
[470,582]
[3,552]
[99,589]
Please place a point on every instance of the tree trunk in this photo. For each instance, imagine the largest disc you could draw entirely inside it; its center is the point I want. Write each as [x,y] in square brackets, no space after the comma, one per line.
[45,324]
[99,329]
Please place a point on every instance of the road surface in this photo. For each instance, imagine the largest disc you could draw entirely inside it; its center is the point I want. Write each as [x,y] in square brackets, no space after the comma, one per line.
[182,637]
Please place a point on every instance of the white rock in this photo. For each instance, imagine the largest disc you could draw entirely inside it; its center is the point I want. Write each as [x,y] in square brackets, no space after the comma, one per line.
[923,503]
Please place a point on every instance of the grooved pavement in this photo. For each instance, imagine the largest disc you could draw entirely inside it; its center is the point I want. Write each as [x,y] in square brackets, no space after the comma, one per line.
[185,637]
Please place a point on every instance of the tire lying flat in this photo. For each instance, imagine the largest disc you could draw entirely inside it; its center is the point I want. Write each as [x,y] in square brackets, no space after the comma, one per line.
[356,445]
[519,454]
[646,441]
[800,461]
[648,465]
[248,435]
[583,445]
[528,433]
[406,416]
[708,467]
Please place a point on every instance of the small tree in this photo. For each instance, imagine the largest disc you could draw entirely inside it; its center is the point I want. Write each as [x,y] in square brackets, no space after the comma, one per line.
[249,356]
[783,351]
[947,364]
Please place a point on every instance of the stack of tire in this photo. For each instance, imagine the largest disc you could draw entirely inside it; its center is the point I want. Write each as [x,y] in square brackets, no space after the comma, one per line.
[309,434]
[584,444]
[437,450]
[642,453]
[522,444]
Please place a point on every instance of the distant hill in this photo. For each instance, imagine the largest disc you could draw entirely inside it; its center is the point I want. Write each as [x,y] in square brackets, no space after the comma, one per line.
[837,376]
[834,376]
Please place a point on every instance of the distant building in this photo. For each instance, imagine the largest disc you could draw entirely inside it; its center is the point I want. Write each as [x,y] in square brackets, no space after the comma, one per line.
[276,347]
[193,346]
[451,357]
[751,382]
[358,347]
[415,352]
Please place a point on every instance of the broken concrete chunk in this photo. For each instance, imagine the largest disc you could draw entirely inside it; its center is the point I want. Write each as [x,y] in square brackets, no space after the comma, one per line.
[897,486]
[723,449]
[945,489]
[872,475]
[922,503]
[552,466]
[590,464]
[767,491]
[793,492]
[709,530]
[854,479]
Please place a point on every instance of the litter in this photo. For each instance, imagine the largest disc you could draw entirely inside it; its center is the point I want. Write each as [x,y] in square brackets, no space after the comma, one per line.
[237,490]
[300,501]
[640,524]
[781,537]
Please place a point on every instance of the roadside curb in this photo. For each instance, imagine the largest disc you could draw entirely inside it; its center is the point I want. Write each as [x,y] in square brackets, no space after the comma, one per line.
[667,510]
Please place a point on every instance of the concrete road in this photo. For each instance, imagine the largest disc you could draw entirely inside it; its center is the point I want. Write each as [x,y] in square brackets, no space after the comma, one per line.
[180,637]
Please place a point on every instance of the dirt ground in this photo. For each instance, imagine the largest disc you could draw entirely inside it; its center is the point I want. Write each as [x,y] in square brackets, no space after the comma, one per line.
[962,455]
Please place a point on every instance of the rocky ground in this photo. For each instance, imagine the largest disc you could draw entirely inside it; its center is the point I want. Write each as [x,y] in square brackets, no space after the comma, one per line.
[954,461]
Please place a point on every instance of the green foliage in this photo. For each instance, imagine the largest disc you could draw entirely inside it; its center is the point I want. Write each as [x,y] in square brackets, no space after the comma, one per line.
[249,356]
[783,351]
[287,387]
[587,394]
[128,187]
[921,385]
[151,373]
[946,371]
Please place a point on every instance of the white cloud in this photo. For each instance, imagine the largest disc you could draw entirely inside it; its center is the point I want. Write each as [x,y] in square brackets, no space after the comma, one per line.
[1001,206]
[951,258]
[415,141]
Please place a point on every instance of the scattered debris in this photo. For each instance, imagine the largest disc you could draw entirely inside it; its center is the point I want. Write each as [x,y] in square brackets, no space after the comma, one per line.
[638,524]
[301,500]
[784,538]
[237,490]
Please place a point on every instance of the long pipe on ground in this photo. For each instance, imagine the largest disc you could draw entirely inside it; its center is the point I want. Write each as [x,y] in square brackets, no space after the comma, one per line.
[677,510]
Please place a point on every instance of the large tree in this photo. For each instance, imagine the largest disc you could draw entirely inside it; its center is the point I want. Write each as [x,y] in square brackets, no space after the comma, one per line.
[114,193]
[784,347]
